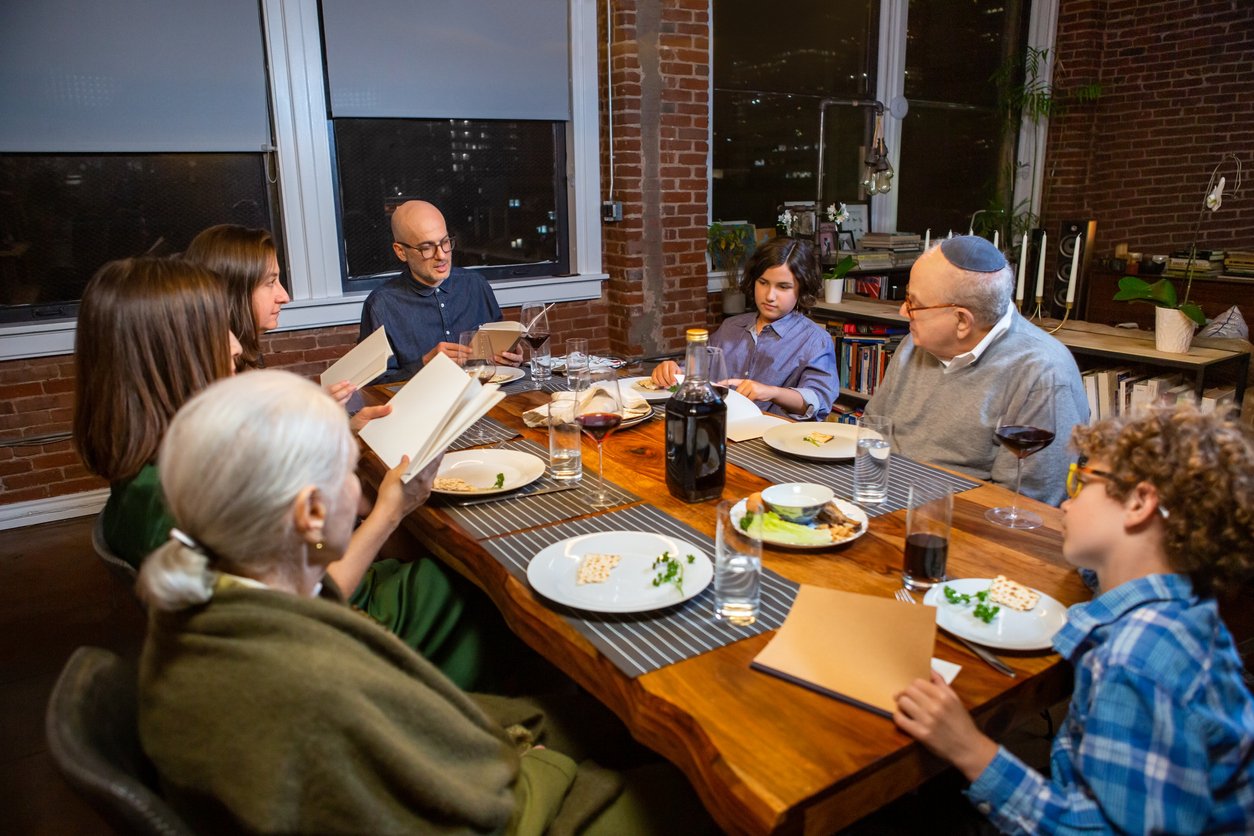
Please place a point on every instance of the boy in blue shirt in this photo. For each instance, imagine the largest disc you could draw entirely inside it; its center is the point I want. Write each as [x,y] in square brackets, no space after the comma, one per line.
[1160,732]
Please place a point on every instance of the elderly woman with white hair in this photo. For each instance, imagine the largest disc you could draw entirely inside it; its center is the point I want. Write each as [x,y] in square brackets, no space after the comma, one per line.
[266,704]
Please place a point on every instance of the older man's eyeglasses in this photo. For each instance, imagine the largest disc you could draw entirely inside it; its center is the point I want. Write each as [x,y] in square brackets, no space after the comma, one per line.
[427,249]
[911,307]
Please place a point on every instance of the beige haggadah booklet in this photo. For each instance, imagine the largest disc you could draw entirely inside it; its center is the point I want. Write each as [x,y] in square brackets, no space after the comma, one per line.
[858,648]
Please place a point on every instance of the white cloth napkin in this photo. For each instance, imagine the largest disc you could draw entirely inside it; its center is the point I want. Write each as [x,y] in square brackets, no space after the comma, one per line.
[633,406]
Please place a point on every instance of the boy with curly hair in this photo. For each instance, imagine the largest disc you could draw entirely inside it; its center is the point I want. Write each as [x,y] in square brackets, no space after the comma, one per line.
[1160,732]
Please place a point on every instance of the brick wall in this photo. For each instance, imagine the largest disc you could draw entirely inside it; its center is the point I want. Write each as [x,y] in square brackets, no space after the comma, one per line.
[659,74]
[1177,93]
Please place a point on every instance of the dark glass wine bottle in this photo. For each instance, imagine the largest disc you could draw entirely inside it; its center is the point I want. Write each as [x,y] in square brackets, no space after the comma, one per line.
[696,429]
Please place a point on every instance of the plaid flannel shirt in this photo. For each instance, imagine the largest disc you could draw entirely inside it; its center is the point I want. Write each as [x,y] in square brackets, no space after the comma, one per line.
[1160,733]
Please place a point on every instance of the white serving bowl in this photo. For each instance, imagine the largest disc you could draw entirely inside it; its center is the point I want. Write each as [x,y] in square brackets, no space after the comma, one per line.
[797,502]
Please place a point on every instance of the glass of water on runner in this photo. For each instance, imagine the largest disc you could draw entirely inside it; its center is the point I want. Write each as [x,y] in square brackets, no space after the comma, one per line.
[737,568]
[870,463]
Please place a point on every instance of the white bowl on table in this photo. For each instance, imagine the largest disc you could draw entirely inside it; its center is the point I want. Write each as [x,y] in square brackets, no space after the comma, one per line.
[797,502]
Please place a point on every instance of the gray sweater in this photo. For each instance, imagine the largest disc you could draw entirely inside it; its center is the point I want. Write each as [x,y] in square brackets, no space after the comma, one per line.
[949,419]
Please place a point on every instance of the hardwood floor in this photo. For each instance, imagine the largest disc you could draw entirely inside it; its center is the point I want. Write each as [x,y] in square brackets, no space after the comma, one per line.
[55,596]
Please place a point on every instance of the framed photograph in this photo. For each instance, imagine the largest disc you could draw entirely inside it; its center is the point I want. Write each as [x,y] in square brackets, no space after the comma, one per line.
[826,241]
[858,222]
[847,242]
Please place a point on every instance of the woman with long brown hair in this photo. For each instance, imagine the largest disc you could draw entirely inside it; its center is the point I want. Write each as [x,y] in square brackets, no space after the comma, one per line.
[152,333]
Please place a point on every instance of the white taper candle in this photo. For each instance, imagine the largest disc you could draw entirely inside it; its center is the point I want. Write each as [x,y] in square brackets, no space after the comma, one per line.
[1040,269]
[1023,266]
[1075,271]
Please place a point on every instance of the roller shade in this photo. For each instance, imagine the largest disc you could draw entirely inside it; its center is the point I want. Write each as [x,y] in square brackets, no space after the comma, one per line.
[132,76]
[448,59]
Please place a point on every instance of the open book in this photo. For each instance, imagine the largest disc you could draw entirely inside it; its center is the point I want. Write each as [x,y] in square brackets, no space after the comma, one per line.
[503,335]
[745,420]
[840,644]
[364,363]
[428,414]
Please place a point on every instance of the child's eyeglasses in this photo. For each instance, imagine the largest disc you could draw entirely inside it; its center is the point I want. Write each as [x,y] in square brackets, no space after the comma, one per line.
[1078,473]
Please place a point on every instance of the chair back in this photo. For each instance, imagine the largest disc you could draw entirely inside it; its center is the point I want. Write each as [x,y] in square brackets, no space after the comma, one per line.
[93,736]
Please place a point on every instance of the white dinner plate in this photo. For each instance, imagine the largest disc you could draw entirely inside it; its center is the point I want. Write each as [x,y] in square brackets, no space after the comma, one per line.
[630,587]
[631,383]
[789,438]
[850,510]
[1009,630]
[480,468]
[507,374]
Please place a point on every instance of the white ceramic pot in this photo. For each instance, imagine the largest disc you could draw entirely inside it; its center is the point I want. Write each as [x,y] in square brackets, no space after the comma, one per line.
[833,290]
[733,301]
[1173,331]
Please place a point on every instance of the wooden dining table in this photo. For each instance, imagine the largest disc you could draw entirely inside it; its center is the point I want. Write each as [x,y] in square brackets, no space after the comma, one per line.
[765,755]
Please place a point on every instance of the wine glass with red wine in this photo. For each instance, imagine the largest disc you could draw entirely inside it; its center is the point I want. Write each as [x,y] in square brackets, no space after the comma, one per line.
[535,323]
[1026,427]
[598,411]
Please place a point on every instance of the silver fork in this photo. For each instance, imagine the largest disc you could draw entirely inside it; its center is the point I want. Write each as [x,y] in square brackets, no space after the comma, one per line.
[996,664]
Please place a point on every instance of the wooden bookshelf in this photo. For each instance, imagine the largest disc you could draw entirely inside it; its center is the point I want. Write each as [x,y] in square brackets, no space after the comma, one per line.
[1132,347]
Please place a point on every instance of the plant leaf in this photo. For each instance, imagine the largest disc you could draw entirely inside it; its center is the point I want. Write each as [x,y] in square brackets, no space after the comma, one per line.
[1163,293]
[1193,311]
[842,267]
[1132,289]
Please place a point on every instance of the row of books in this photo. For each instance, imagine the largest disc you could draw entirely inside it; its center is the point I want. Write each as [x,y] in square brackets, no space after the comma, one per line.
[863,351]
[1124,391]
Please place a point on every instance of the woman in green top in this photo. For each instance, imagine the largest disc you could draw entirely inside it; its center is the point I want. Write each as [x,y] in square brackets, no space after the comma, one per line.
[267,706]
[151,334]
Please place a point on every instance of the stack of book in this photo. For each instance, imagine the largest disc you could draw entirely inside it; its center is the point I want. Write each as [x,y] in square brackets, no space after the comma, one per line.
[1239,263]
[902,242]
[1124,391]
[1202,263]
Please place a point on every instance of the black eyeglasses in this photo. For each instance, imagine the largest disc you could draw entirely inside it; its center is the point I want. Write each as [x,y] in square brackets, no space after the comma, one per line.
[427,249]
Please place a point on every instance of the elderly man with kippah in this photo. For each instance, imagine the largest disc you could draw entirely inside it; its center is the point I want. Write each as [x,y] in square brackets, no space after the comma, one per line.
[969,356]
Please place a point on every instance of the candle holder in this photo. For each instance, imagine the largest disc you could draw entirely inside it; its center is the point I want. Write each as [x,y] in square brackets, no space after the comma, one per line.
[1066,314]
[1038,313]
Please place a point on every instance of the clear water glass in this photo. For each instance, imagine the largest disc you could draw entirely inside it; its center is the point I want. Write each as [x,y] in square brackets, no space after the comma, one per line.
[541,364]
[737,569]
[576,356]
[871,459]
[565,444]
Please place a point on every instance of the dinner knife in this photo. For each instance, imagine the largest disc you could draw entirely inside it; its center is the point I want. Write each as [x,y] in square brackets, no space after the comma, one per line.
[479,500]
[995,663]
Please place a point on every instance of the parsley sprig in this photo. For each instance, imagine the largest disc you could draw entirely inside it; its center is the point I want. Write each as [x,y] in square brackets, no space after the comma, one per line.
[671,570]
[984,611]
[500,480]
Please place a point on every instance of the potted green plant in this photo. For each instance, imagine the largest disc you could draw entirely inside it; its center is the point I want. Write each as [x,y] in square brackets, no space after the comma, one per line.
[1174,320]
[834,280]
[728,246]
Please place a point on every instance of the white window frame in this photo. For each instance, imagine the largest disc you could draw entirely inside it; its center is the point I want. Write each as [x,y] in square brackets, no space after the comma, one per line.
[307,185]
[890,84]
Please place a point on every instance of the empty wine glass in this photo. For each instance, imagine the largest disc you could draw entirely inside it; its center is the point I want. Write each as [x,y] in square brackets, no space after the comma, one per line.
[598,411]
[477,360]
[1025,427]
[718,370]
[535,322]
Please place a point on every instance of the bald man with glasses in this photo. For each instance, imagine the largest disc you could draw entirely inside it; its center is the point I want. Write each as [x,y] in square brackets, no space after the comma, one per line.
[969,355]
[427,307]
